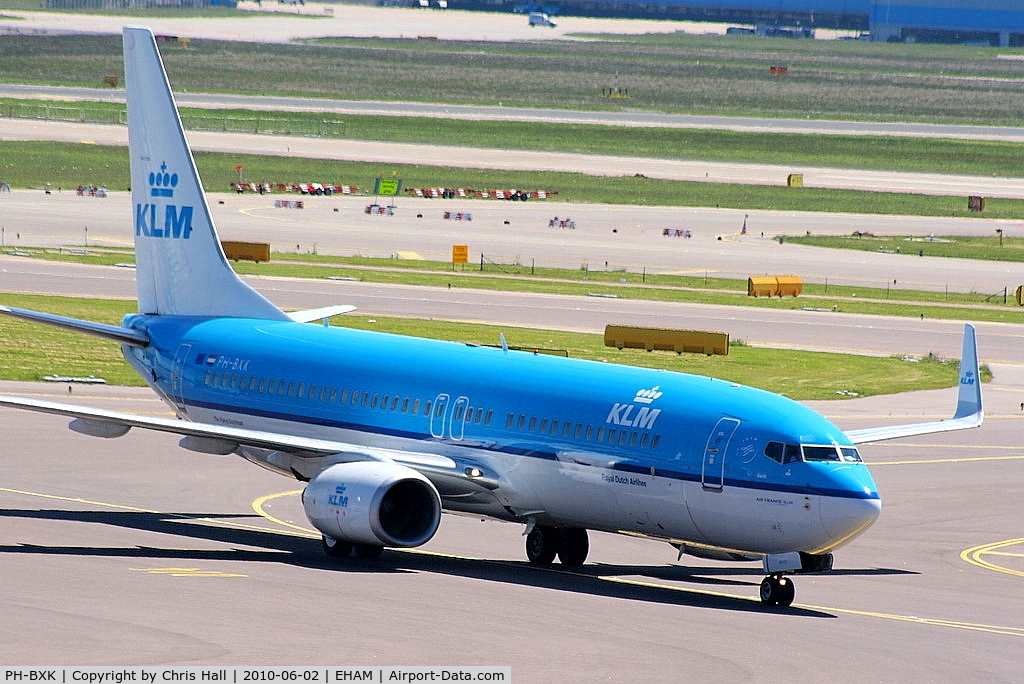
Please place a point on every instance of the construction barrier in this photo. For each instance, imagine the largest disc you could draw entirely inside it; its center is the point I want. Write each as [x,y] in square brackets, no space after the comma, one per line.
[667,339]
[289,204]
[376,209]
[452,193]
[774,286]
[246,251]
[304,188]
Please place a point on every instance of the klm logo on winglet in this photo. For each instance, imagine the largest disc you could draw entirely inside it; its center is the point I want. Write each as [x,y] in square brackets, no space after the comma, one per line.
[968,378]
[177,220]
[631,415]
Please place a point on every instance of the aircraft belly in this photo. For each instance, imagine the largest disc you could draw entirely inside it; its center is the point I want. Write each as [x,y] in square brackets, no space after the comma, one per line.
[603,498]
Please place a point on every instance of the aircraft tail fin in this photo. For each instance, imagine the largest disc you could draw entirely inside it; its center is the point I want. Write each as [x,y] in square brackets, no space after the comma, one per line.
[180,266]
[970,412]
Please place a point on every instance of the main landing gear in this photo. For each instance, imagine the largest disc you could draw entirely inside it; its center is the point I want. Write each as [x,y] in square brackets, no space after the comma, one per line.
[777,590]
[341,549]
[570,544]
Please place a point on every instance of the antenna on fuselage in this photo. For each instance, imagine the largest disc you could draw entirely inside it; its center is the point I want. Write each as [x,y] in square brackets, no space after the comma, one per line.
[504,342]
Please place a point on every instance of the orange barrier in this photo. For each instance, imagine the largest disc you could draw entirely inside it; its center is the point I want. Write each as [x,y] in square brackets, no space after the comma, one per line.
[667,339]
[774,286]
[246,251]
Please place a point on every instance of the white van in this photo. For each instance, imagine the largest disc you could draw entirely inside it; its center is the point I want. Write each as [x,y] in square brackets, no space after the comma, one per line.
[541,19]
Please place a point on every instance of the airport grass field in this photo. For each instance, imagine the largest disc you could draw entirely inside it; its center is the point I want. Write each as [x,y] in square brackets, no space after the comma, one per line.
[33,351]
[35,164]
[672,73]
[928,155]
[581,282]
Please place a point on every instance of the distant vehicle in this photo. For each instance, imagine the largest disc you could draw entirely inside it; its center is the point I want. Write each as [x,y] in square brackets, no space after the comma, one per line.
[541,19]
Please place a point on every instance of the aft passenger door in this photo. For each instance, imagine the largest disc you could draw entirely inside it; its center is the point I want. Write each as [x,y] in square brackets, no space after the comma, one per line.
[178,372]
[712,473]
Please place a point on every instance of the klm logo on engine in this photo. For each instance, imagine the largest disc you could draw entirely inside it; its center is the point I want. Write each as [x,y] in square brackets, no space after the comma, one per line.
[338,498]
[637,413]
[177,220]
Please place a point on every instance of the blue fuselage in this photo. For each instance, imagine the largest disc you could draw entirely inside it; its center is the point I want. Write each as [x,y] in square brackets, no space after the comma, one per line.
[606,446]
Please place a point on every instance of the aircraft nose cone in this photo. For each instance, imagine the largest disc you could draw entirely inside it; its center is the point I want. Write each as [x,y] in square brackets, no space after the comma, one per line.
[845,518]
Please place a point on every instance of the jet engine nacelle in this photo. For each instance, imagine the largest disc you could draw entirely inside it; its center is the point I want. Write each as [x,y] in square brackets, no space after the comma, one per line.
[373,502]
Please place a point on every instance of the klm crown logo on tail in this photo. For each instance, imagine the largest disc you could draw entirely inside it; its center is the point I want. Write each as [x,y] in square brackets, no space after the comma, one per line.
[177,221]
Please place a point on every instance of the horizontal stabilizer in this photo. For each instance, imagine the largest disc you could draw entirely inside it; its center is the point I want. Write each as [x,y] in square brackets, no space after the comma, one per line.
[969,411]
[323,312]
[114,333]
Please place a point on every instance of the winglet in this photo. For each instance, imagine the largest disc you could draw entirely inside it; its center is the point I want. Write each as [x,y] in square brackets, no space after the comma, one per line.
[969,409]
[968,405]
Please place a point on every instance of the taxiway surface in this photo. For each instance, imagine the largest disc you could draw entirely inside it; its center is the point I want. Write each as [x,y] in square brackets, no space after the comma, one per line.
[134,551]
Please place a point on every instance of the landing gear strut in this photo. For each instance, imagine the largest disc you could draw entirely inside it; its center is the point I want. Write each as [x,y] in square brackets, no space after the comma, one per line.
[570,544]
[777,590]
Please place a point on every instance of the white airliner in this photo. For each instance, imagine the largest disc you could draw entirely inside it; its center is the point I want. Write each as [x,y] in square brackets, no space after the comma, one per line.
[387,431]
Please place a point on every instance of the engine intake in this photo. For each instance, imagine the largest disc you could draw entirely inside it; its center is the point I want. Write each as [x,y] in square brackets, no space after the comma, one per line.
[373,502]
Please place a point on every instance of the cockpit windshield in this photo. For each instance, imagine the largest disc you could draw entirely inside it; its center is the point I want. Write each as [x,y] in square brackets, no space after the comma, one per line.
[796,453]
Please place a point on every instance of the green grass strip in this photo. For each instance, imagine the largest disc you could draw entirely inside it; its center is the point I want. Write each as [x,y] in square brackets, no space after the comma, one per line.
[994,248]
[877,301]
[675,73]
[31,351]
[890,153]
[34,164]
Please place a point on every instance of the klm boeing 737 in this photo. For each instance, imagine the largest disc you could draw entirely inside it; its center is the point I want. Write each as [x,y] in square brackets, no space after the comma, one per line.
[388,431]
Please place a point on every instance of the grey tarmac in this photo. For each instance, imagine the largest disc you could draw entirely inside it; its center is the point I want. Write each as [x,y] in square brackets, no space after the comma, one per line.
[134,551]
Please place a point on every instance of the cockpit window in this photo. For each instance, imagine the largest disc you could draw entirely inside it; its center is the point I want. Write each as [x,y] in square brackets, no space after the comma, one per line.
[783,453]
[850,454]
[796,453]
[820,453]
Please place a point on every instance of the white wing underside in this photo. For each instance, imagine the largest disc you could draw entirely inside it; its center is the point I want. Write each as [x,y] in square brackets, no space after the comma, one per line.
[222,439]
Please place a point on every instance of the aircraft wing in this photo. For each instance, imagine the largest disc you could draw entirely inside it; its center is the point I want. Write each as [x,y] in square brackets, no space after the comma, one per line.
[969,410]
[218,439]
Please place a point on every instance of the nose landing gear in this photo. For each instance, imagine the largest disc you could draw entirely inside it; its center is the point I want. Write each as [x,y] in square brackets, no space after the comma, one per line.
[777,590]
